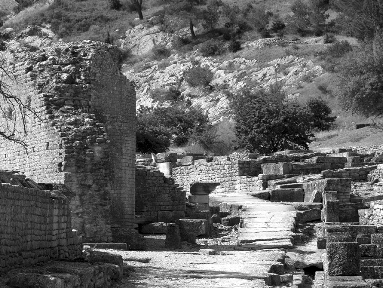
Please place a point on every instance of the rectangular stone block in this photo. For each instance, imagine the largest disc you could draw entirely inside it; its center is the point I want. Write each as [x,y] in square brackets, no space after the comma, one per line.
[276,168]
[287,195]
[343,258]
[368,272]
[371,262]
[377,238]
[367,250]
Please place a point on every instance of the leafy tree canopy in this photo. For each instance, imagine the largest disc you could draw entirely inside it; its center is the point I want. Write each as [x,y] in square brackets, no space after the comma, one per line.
[267,125]
[158,128]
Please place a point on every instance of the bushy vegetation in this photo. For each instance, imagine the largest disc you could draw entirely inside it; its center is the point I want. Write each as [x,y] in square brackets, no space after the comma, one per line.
[267,125]
[362,82]
[198,76]
[309,17]
[320,114]
[266,122]
[158,128]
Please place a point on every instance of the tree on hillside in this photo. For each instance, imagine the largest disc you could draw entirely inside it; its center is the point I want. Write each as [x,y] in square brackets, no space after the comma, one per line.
[158,128]
[267,125]
[309,17]
[136,5]
[193,11]
[360,18]
[361,85]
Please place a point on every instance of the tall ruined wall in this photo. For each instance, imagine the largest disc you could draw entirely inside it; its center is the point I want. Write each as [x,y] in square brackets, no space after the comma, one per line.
[233,176]
[84,135]
[158,199]
[34,227]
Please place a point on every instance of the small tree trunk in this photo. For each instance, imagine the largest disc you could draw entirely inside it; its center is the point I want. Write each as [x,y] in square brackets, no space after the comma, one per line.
[192,29]
[139,11]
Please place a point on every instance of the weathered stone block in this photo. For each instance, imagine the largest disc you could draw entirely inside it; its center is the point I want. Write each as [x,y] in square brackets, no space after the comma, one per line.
[367,250]
[308,215]
[191,228]
[277,168]
[231,220]
[377,238]
[93,256]
[343,258]
[331,211]
[340,237]
[287,195]
[173,237]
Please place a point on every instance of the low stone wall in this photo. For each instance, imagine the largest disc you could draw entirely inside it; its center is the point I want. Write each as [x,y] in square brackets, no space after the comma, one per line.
[34,227]
[233,176]
[355,174]
[353,250]
[158,198]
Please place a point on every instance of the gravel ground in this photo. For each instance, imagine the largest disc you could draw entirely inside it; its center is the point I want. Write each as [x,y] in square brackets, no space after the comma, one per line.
[190,267]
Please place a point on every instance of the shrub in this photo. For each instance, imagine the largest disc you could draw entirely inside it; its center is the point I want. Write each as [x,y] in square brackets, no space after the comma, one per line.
[234,46]
[211,48]
[198,76]
[362,82]
[266,125]
[160,52]
[158,128]
[115,4]
[320,112]
[338,49]
[329,38]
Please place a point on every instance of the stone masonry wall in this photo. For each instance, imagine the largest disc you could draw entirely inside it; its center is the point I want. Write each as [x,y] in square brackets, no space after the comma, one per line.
[35,227]
[158,199]
[233,176]
[83,133]
[355,174]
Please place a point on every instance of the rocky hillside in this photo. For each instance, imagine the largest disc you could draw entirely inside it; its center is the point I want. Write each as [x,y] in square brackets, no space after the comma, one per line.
[231,73]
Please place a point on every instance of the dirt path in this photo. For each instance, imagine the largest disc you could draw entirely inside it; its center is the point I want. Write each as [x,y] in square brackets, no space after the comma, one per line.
[192,269]
[267,230]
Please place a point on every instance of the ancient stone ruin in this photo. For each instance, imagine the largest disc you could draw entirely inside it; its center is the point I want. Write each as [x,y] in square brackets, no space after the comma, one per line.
[83,133]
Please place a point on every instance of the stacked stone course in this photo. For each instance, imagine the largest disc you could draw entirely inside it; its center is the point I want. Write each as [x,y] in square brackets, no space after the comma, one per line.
[35,227]
[233,176]
[158,199]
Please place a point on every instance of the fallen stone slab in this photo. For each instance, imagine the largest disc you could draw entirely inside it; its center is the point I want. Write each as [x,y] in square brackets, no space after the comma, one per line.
[114,246]
[309,215]
[271,244]
[261,194]
[154,228]
[207,251]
